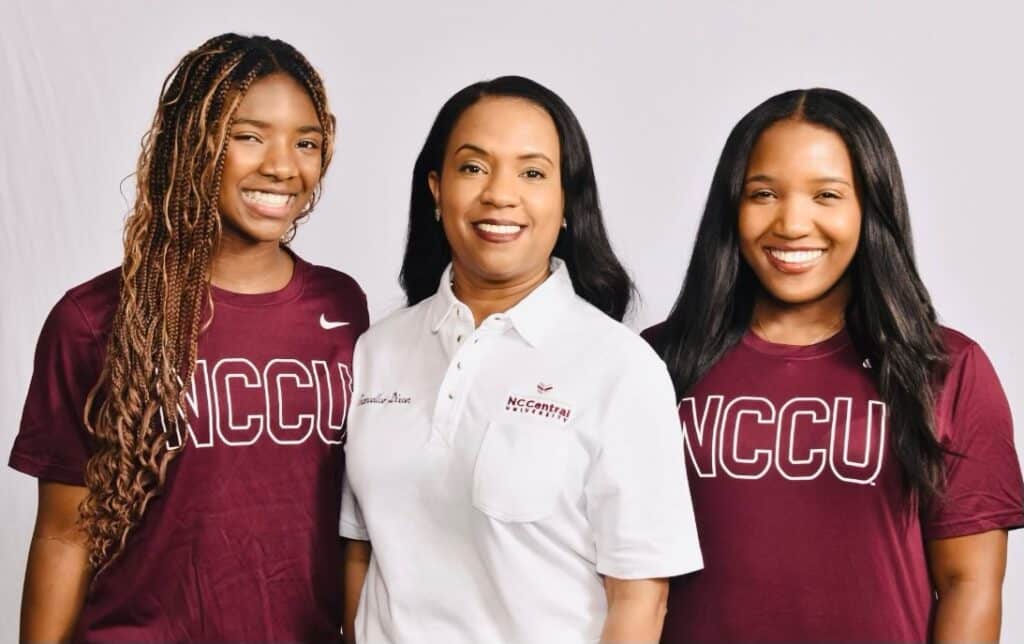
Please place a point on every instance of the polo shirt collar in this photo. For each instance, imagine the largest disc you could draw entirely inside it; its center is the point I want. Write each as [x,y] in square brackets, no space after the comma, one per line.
[533,318]
[540,311]
[444,302]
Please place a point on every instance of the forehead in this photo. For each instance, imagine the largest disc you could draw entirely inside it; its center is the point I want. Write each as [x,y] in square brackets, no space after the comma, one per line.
[277,97]
[506,125]
[798,147]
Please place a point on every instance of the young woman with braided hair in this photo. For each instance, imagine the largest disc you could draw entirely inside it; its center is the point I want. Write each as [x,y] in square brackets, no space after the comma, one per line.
[185,413]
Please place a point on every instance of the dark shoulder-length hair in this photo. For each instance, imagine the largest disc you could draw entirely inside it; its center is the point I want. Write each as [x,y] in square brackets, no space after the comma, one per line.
[597,275]
[889,316]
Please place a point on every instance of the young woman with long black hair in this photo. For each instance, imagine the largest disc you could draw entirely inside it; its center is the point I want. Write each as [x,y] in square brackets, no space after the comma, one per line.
[851,461]
[513,454]
[185,413]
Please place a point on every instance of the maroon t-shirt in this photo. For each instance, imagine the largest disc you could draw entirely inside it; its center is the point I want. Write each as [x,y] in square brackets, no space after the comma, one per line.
[242,544]
[806,533]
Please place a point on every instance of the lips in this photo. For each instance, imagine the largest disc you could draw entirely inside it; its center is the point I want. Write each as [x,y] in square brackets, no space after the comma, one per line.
[794,260]
[498,232]
[795,256]
[270,204]
[499,229]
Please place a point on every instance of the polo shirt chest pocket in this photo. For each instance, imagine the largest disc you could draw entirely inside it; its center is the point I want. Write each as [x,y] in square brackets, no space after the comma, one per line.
[520,470]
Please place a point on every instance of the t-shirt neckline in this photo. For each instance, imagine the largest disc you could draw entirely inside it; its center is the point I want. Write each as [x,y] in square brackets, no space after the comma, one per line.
[289,292]
[837,341]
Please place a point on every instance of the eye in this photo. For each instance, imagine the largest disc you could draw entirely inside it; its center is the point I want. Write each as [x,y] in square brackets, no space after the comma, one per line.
[309,144]
[470,168]
[246,136]
[762,194]
[533,173]
[829,194]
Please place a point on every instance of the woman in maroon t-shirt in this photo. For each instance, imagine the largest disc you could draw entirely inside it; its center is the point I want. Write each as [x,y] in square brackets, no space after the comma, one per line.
[851,461]
[186,411]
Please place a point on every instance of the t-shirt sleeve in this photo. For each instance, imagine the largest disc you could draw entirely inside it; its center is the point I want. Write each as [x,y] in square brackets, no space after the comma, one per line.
[52,442]
[984,490]
[638,499]
[363,309]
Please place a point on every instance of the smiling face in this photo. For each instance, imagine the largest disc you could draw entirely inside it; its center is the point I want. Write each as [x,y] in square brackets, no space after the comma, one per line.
[500,191]
[799,216]
[272,163]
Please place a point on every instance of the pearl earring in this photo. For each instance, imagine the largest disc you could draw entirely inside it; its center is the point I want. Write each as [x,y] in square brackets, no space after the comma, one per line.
[565,224]
[437,214]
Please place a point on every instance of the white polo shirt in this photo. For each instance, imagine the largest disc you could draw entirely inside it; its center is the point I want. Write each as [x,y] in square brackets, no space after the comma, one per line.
[500,471]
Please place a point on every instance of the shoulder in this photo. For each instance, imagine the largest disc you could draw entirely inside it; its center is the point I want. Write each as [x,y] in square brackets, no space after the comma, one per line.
[90,306]
[970,378]
[957,344]
[74,337]
[963,356]
[336,294]
[619,344]
[408,322]
[655,335]
[321,279]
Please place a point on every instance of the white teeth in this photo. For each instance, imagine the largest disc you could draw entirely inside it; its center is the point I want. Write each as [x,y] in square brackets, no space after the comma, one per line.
[499,229]
[266,198]
[795,256]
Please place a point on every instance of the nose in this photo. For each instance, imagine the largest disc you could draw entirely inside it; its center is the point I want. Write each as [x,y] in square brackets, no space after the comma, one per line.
[793,219]
[500,191]
[279,161]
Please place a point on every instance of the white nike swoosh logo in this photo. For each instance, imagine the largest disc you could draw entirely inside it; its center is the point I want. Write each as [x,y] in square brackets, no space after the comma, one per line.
[324,323]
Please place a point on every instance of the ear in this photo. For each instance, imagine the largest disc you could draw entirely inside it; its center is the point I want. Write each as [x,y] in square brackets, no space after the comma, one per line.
[434,182]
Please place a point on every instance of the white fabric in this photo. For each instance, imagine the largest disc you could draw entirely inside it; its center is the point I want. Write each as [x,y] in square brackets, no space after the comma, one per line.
[500,471]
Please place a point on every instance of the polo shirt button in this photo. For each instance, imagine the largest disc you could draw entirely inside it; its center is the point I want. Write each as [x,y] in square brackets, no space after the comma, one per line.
[458,365]
[458,338]
[451,396]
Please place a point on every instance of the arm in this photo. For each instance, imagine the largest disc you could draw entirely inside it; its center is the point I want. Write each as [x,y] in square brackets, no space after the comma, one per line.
[357,561]
[636,609]
[57,575]
[967,573]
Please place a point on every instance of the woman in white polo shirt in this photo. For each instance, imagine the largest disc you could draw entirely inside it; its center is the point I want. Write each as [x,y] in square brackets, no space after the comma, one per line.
[515,465]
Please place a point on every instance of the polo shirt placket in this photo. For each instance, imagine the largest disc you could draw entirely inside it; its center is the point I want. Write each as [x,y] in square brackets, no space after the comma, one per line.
[467,348]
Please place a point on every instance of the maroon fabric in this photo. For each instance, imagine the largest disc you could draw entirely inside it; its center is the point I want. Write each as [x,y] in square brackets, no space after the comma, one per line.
[805,531]
[242,544]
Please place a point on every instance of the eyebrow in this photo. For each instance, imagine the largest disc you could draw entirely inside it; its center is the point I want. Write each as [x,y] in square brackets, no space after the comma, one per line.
[764,178]
[522,157]
[305,129]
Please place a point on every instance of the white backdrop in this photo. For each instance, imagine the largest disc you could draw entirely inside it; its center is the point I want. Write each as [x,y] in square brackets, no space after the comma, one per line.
[657,86]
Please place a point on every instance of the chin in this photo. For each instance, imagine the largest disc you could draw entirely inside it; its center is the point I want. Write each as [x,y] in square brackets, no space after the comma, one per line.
[797,296]
[494,268]
[261,234]
[793,299]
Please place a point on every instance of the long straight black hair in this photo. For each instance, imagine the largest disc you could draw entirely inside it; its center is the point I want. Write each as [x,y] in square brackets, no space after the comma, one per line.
[889,316]
[597,275]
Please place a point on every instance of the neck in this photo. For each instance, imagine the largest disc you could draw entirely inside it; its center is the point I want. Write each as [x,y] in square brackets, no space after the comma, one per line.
[249,268]
[801,324]
[486,298]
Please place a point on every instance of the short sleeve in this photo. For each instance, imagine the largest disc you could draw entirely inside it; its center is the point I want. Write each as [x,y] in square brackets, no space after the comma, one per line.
[52,442]
[984,490]
[638,498]
[352,525]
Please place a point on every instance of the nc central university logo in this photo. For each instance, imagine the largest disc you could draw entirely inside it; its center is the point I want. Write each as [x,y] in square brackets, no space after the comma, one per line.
[288,401]
[538,406]
[802,439]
